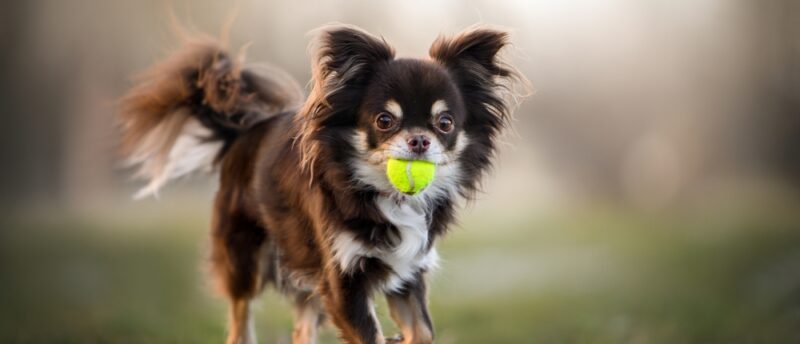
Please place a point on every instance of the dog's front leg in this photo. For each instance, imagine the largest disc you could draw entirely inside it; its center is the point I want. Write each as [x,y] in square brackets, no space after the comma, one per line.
[348,299]
[409,310]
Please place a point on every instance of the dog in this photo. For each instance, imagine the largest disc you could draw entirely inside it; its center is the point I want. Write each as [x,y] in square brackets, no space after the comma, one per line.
[304,203]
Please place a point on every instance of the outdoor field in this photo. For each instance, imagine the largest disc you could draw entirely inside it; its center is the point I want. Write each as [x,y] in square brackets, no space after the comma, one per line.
[645,190]
[592,276]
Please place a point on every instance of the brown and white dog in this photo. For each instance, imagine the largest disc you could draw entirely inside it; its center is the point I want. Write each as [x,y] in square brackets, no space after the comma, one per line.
[304,203]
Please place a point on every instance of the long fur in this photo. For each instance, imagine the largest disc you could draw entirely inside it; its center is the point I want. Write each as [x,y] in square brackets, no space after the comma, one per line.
[185,111]
[304,203]
[491,89]
[343,59]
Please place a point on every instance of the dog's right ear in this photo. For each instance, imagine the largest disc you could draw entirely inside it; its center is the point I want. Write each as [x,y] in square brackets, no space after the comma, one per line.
[345,57]
[349,53]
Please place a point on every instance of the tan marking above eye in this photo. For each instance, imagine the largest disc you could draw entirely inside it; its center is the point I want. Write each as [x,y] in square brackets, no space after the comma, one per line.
[461,142]
[438,106]
[394,108]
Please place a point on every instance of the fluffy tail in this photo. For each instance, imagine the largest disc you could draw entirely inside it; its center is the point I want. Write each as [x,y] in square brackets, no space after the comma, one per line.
[183,113]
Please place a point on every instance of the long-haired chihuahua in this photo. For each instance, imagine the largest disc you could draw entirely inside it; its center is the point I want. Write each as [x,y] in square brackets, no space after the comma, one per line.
[304,202]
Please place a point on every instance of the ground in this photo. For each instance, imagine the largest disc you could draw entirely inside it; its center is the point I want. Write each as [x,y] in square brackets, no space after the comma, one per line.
[591,276]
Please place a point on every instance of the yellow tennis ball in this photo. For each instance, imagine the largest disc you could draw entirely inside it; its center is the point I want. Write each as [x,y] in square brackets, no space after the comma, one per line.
[410,176]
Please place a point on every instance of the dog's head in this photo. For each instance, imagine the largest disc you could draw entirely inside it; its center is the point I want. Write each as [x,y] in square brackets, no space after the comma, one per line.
[367,106]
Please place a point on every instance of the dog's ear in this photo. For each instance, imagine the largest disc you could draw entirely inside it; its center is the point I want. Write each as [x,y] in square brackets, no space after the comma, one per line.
[472,58]
[489,89]
[347,53]
[345,59]
[474,51]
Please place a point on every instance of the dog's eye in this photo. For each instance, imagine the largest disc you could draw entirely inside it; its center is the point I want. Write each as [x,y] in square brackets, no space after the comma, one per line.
[444,123]
[384,121]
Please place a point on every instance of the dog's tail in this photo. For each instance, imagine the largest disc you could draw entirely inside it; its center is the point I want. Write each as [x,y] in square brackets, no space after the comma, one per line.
[183,113]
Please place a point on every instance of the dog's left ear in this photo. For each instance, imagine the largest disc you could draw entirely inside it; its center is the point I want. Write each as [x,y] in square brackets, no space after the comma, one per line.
[472,57]
[475,50]
[488,88]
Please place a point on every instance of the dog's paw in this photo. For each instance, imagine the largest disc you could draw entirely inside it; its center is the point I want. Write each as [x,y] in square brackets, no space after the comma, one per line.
[396,339]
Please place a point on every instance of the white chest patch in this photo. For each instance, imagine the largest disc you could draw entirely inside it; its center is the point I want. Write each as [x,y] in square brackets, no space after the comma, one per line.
[405,258]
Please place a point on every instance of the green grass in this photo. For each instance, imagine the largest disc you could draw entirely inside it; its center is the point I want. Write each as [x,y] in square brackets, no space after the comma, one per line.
[588,277]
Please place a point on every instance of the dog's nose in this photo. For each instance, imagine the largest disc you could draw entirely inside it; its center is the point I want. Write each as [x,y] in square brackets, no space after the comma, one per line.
[419,144]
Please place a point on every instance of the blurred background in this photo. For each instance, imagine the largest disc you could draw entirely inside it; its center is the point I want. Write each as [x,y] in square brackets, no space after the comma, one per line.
[649,194]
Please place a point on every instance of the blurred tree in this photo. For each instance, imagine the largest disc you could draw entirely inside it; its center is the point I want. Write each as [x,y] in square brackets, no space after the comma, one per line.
[777,86]
[30,136]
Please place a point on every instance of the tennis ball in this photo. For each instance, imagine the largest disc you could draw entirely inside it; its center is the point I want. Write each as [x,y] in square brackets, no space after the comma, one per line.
[410,176]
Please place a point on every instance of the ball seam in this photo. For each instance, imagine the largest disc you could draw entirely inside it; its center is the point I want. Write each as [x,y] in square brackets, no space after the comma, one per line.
[410,177]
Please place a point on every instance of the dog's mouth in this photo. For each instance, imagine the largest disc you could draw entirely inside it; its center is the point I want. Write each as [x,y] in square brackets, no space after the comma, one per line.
[380,157]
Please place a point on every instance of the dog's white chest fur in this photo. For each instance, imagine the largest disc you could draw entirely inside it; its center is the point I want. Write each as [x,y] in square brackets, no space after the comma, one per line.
[406,257]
